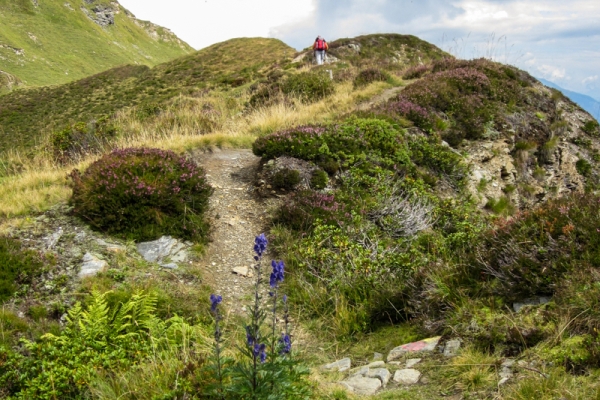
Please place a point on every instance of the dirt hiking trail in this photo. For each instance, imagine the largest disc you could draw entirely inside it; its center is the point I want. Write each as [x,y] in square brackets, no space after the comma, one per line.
[237,215]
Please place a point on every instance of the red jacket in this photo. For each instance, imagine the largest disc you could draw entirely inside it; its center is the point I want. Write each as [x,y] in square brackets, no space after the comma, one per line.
[323,44]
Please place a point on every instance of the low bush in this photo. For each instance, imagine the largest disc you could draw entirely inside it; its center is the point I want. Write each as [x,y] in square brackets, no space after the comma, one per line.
[301,210]
[142,194]
[309,86]
[370,75]
[81,139]
[583,167]
[319,179]
[417,71]
[17,267]
[286,179]
[591,127]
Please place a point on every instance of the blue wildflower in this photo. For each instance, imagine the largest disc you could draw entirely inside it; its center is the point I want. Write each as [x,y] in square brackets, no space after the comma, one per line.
[284,298]
[286,343]
[215,300]
[260,245]
[249,337]
[277,274]
[259,350]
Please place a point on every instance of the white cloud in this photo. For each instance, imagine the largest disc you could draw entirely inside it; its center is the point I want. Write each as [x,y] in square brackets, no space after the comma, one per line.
[552,72]
[590,79]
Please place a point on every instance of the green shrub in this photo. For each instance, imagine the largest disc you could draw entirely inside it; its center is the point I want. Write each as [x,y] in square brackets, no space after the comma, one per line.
[583,167]
[319,179]
[353,141]
[82,138]
[309,86]
[142,194]
[301,210]
[500,206]
[95,338]
[591,127]
[286,179]
[17,267]
[370,75]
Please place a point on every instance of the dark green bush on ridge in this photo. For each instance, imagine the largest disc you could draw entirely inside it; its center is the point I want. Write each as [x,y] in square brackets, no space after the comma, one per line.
[142,194]
[370,75]
[309,86]
[82,138]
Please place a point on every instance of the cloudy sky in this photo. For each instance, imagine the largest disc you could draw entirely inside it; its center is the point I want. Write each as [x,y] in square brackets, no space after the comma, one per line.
[552,39]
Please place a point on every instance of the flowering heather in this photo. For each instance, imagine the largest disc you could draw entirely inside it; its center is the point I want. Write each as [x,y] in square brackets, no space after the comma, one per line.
[142,194]
[370,75]
[417,71]
[415,113]
[301,209]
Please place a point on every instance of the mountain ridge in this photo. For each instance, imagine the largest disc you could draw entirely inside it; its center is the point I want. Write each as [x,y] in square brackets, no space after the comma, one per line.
[54,42]
[588,103]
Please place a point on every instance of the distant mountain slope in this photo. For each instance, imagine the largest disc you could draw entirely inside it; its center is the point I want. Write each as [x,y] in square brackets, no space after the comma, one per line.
[46,42]
[26,115]
[588,103]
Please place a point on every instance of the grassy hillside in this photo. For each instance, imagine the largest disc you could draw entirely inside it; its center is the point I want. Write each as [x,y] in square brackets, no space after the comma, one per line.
[27,114]
[410,196]
[56,41]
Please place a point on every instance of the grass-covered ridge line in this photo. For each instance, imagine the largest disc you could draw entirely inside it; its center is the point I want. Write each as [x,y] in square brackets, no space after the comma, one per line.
[27,115]
[53,41]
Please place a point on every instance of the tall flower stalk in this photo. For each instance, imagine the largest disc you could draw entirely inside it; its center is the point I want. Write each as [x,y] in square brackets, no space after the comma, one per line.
[215,300]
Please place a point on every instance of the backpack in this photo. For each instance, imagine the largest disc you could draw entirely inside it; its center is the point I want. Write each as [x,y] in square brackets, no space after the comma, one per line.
[321,44]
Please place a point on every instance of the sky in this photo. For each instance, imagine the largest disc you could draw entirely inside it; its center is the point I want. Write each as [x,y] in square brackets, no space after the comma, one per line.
[553,39]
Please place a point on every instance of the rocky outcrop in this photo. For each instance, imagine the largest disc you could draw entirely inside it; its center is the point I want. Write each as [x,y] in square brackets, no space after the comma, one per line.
[102,14]
[530,171]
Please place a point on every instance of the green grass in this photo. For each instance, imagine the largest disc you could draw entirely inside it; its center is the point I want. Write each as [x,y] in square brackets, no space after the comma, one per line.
[62,44]
[29,115]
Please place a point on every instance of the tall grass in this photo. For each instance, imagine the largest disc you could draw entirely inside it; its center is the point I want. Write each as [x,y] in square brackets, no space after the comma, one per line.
[216,120]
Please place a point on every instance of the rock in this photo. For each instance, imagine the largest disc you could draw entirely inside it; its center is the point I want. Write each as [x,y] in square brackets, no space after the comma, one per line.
[426,345]
[412,362]
[341,365]
[506,373]
[377,356]
[451,348]
[53,239]
[111,247]
[361,385]
[407,376]
[164,250]
[170,266]
[534,301]
[376,364]
[360,370]
[503,381]
[243,271]
[91,265]
[509,362]
[380,373]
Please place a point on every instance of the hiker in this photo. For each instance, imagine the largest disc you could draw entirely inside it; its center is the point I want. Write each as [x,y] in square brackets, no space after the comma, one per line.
[320,47]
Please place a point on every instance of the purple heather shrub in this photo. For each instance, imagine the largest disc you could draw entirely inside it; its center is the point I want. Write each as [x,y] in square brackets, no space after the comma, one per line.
[301,209]
[142,194]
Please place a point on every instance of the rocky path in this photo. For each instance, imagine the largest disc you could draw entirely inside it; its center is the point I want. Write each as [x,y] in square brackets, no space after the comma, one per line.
[237,216]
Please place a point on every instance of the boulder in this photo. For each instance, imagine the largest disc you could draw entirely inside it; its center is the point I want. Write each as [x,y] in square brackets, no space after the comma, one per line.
[164,251]
[341,365]
[380,373]
[91,265]
[361,385]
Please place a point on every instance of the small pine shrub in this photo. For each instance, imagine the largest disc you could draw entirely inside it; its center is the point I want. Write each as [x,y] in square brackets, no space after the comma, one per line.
[591,127]
[319,179]
[82,138]
[370,75]
[286,179]
[583,167]
[17,267]
[309,86]
[142,194]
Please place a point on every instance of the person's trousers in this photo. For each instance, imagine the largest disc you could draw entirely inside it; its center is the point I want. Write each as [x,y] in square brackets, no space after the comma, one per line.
[320,56]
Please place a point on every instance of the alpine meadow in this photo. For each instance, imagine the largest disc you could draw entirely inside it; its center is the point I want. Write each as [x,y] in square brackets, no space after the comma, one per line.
[235,223]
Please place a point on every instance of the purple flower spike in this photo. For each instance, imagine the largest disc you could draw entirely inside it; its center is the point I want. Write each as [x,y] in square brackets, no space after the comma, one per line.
[277,274]
[215,300]
[260,245]
[286,343]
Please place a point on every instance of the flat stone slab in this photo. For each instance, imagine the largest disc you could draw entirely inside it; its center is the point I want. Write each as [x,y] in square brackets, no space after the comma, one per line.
[91,265]
[407,376]
[243,271]
[426,345]
[340,365]
[380,373]
[412,362]
[452,347]
[361,385]
[534,301]
[376,364]
[165,250]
